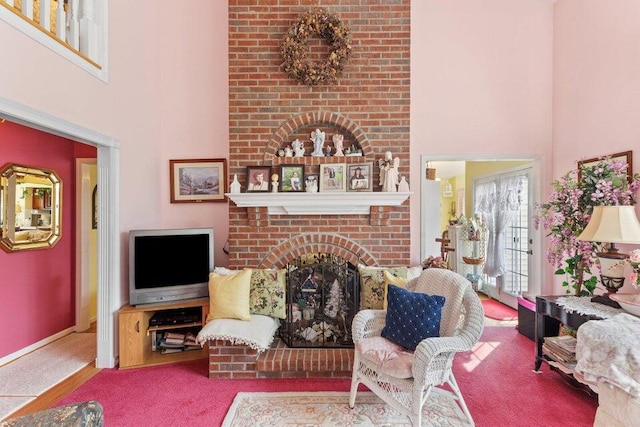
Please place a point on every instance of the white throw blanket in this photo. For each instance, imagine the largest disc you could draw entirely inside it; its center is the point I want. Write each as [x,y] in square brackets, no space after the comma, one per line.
[609,351]
[584,306]
[257,333]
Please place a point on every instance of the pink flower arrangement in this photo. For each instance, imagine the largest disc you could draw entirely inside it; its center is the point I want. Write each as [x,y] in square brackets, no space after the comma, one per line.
[634,262]
[568,212]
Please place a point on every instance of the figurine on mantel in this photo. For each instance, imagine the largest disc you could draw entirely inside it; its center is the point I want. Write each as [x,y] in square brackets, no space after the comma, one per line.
[274,183]
[352,150]
[318,143]
[298,148]
[338,141]
[403,186]
[235,186]
[389,172]
[311,184]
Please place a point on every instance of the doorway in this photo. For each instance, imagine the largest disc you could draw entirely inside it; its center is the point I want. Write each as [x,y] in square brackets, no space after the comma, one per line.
[502,200]
[449,205]
[109,298]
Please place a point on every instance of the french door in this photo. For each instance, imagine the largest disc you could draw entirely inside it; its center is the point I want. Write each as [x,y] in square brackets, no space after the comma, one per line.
[509,220]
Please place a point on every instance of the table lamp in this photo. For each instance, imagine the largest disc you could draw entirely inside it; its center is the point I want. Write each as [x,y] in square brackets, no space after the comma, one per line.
[611,225]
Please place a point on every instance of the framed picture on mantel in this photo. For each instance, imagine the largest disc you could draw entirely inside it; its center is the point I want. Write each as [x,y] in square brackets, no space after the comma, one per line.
[291,178]
[198,180]
[360,177]
[258,179]
[332,177]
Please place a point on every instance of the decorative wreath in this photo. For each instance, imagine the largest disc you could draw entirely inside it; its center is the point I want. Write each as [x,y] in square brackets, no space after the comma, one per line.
[295,49]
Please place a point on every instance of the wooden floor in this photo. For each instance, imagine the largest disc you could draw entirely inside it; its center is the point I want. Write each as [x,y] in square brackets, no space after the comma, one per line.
[50,397]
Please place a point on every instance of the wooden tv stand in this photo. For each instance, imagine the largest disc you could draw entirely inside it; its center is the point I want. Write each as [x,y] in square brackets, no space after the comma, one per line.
[135,333]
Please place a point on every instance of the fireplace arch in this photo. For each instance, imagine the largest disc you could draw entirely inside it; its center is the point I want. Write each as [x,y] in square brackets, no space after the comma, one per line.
[303,244]
[287,131]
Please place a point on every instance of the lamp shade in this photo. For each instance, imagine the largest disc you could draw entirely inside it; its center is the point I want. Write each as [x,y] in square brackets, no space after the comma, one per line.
[612,224]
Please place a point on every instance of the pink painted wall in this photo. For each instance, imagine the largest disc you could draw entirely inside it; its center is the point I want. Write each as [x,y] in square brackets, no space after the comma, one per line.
[482,80]
[481,83]
[596,103]
[165,99]
[37,290]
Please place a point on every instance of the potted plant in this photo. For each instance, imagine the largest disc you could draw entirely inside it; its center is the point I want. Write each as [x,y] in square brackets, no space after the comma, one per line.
[567,213]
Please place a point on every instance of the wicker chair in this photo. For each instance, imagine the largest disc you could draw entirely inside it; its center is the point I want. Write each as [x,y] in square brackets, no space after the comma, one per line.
[461,325]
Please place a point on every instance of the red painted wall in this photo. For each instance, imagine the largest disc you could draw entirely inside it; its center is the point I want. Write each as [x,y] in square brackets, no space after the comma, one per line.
[37,288]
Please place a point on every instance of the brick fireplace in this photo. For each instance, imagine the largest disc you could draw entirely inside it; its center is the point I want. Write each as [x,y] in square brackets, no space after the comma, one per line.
[369,105]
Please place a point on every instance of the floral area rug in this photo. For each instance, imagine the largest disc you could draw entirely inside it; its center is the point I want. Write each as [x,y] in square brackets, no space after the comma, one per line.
[332,409]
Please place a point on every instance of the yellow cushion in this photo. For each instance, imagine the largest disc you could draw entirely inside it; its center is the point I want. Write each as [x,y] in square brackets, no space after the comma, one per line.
[229,296]
[394,280]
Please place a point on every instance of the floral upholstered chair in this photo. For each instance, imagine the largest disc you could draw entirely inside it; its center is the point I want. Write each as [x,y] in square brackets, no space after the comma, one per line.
[402,367]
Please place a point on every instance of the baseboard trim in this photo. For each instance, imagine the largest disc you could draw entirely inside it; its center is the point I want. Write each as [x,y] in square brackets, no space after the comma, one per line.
[13,356]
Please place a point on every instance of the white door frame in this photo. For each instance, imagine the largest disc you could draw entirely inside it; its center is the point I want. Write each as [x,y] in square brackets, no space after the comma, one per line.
[109,293]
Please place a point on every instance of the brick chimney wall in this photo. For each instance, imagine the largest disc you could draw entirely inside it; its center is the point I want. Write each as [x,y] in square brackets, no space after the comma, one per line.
[369,104]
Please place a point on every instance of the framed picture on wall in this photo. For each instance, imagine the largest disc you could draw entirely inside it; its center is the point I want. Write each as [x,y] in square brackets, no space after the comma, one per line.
[332,177]
[198,180]
[624,156]
[291,178]
[258,179]
[360,177]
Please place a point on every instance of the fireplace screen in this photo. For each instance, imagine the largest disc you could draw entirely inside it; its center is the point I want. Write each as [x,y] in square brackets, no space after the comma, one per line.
[322,298]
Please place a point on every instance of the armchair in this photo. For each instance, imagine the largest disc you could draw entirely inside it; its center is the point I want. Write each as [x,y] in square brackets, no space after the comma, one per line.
[405,379]
[82,414]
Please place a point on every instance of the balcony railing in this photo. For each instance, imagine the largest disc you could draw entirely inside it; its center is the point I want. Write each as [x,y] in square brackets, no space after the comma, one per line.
[76,29]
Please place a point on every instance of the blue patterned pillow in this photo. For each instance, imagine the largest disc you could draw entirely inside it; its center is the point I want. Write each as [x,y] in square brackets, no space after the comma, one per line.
[411,317]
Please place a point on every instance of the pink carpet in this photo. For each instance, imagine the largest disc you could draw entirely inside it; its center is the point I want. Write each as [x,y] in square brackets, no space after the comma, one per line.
[498,311]
[496,380]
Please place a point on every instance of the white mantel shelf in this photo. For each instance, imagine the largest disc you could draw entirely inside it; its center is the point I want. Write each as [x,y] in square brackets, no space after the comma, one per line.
[349,203]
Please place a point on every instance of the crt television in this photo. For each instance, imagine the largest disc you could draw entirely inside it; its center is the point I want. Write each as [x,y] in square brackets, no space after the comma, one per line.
[169,265]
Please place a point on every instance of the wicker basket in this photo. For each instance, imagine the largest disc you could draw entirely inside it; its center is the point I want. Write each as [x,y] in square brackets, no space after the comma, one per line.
[473,261]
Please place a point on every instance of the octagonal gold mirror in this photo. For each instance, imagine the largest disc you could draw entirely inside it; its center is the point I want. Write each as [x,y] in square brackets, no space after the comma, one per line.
[30,207]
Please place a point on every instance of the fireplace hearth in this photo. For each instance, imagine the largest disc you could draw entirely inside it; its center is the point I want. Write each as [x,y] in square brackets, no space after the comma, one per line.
[322,298]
